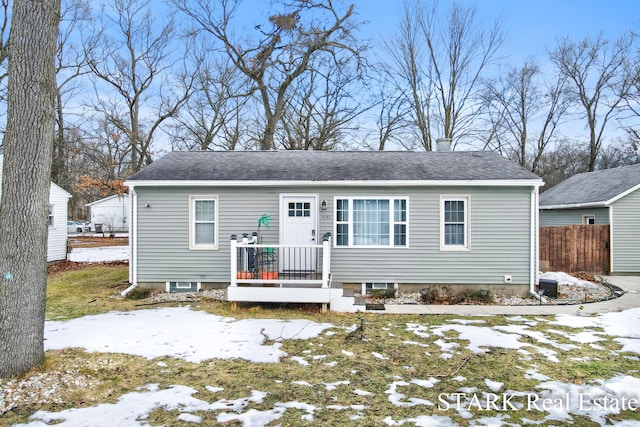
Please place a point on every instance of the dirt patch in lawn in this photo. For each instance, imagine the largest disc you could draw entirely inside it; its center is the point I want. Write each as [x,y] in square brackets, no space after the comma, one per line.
[62,266]
[96,241]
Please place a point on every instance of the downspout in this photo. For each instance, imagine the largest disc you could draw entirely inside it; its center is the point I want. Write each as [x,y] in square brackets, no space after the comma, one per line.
[133,237]
[535,236]
[610,239]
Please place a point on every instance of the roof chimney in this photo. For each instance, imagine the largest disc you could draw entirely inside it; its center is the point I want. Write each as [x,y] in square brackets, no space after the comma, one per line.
[443,145]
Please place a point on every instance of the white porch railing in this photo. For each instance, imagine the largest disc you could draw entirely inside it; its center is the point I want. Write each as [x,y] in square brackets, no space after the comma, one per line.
[290,266]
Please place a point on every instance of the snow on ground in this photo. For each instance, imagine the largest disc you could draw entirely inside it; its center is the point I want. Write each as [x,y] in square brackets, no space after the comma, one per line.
[100,254]
[169,332]
[566,279]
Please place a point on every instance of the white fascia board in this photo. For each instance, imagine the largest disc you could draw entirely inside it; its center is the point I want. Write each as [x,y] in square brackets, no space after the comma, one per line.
[621,195]
[575,206]
[371,183]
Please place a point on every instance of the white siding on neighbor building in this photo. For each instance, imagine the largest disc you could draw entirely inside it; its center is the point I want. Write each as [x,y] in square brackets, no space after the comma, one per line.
[112,212]
[625,234]
[572,216]
[57,240]
[500,235]
[57,243]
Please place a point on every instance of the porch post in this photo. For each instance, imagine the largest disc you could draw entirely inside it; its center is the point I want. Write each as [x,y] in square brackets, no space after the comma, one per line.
[234,260]
[326,259]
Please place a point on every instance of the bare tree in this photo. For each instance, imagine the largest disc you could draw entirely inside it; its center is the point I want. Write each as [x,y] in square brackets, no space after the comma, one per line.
[71,63]
[134,62]
[524,114]
[413,77]
[4,50]
[567,158]
[631,122]
[322,109]
[597,72]
[441,56]
[281,51]
[25,184]
[212,117]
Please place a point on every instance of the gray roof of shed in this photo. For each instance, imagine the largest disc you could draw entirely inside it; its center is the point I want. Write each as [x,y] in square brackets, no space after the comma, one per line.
[331,166]
[592,188]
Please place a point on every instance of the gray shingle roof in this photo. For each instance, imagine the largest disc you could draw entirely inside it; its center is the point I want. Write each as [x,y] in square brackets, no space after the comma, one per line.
[592,187]
[331,166]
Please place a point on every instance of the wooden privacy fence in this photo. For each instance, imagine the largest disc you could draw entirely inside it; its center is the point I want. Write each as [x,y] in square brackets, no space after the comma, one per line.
[573,248]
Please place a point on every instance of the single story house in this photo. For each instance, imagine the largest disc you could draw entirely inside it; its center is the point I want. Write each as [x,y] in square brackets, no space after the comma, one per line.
[58,201]
[112,213]
[609,196]
[291,226]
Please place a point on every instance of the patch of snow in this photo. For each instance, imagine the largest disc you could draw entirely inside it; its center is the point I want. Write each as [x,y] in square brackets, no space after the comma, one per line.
[567,279]
[131,409]
[190,418]
[169,331]
[494,386]
[379,356]
[333,386]
[304,383]
[100,254]
[347,353]
[300,360]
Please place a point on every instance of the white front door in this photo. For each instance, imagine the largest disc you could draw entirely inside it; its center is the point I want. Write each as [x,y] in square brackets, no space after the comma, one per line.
[299,224]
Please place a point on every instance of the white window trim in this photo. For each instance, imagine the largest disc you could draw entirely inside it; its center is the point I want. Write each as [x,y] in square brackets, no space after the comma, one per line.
[168,285]
[585,219]
[391,221]
[51,217]
[467,226]
[192,229]
[364,286]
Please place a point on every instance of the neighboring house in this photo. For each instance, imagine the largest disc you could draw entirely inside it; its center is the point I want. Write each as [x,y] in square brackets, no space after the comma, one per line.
[57,240]
[359,220]
[111,212]
[608,196]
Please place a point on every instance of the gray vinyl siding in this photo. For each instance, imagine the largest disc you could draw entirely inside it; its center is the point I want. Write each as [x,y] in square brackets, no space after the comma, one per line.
[625,243]
[572,216]
[500,234]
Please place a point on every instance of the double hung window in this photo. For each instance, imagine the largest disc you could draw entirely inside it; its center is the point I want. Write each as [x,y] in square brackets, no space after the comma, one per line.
[454,217]
[203,222]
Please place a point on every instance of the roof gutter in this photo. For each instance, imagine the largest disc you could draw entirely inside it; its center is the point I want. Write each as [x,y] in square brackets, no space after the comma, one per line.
[576,206]
[361,183]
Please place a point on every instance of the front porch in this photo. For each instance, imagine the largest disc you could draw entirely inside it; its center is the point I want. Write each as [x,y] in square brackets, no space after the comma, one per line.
[282,273]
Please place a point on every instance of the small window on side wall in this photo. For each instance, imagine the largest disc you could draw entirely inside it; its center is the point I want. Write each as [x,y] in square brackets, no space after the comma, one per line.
[454,223]
[203,222]
[588,219]
[177,287]
[379,289]
[51,217]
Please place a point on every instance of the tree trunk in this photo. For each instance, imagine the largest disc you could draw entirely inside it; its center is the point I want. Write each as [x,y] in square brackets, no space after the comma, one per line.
[25,188]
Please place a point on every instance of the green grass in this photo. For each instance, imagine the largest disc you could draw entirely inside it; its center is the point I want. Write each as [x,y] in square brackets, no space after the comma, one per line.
[91,291]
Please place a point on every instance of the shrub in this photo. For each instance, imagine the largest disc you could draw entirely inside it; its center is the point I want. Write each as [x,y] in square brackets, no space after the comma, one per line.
[440,295]
[477,295]
[383,293]
[139,293]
